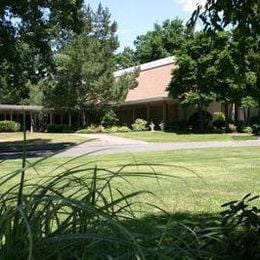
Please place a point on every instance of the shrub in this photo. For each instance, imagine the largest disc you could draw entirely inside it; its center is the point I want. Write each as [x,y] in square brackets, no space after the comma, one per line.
[9,126]
[194,119]
[92,129]
[218,119]
[231,128]
[124,129]
[109,118]
[54,128]
[247,130]
[139,125]
[254,120]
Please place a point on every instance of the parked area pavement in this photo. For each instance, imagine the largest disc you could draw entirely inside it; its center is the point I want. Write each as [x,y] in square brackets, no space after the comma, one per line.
[107,144]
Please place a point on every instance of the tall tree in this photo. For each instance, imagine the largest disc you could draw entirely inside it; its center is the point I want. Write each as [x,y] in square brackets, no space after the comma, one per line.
[244,18]
[125,59]
[207,72]
[28,30]
[163,41]
[86,65]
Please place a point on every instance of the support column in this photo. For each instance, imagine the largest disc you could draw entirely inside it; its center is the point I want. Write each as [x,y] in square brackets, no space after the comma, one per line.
[11,115]
[83,118]
[165,121]
[4,115]
[133,115]
[31,122]
[61,119]
[69,118]
[51,118]
[148,112]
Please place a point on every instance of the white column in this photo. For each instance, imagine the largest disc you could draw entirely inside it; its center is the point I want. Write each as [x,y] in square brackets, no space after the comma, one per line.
[83,118]
[31,122]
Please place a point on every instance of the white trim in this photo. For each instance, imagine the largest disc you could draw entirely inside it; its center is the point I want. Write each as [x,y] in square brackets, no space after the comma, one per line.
[147,66]
[146,100]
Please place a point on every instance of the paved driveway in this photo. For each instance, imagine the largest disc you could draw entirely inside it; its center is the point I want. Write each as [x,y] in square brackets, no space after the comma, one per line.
[107,144]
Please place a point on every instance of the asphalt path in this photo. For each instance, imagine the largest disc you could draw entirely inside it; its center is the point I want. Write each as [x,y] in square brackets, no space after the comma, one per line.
[107,144]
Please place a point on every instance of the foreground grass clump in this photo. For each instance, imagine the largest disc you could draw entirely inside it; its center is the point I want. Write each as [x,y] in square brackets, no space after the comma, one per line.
[81,213]
[74,215]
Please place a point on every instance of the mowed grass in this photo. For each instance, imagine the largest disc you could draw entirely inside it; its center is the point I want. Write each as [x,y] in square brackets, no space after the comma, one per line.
[159,136]
[40,138]
[197,180]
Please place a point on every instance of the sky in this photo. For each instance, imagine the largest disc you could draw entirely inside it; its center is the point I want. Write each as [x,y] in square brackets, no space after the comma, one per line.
[135,17]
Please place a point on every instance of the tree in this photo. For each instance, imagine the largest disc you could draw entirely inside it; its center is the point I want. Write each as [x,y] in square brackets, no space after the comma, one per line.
[29,30]
[190,83]
[85,68]
[244,18]
[162,42]
[125,59]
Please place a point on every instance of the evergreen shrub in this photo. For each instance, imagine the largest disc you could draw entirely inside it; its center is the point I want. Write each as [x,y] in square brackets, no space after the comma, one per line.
[9,126]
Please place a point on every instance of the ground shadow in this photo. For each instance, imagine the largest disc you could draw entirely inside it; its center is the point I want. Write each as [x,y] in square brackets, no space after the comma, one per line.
[185,235]
[35,148]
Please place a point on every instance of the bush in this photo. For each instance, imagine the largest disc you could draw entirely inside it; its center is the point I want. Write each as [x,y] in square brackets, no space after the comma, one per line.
[118,129]
[139,125]
[124,129]
[219,120]
[247,130]
[9,126]
[92,129]
[231,128]
[109,118]
[194,120]
[254,120]
[55,128]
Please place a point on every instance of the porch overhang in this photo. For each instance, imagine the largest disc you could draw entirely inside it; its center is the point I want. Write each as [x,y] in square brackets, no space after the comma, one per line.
[147,100]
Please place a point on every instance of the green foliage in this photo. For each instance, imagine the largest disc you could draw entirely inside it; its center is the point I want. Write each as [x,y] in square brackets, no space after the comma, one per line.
[255,120]
[9,126]
[219,119]
[109,118]
[123,84]
[241,227]
[201,117]
[29,31]
[139,125]
[205,71]
[118,129]
[163,41]
[247,130]
[92,129]
[79,205]
[217,16]
[58,128]
[231,128]
[125,59]
[85,65]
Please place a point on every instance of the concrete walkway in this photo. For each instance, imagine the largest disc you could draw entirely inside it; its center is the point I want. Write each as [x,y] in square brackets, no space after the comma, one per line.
[107,144]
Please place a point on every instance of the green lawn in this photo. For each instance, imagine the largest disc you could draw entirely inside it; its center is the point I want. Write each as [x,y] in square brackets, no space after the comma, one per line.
[159,136]
[10,139]
[200,180]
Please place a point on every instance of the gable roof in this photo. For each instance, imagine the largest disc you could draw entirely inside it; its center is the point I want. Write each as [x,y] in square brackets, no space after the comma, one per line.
[153,81]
